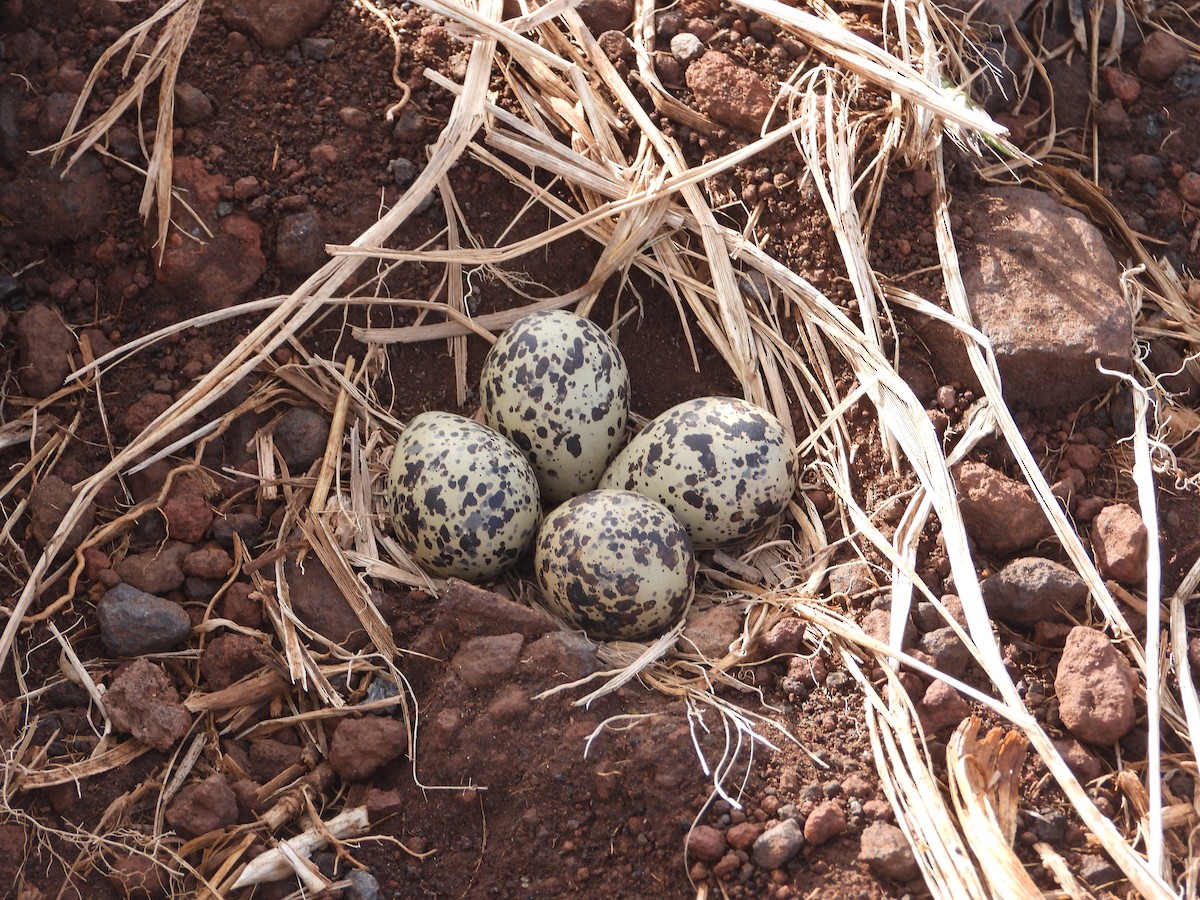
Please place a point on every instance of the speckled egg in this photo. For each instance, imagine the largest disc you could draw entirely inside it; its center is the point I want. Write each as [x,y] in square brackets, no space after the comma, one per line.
[616,564]
[724,467]
[556,385]
[463,500]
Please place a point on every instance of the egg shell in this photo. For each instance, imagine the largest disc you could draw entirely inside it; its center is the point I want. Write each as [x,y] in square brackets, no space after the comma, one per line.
[616,564]
[556,385]
[463,500]
[723,466]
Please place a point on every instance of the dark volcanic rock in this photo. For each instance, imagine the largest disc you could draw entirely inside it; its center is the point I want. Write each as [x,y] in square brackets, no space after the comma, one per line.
[133,623]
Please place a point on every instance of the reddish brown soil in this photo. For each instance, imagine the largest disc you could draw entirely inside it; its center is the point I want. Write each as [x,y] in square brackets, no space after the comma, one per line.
[529,814]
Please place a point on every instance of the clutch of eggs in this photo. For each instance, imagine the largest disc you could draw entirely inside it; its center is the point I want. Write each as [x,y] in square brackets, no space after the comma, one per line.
[616,564]
[724,467]
[463,500]
[556,385]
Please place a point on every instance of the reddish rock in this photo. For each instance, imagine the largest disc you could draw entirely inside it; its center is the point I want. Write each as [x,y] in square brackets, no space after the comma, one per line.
[143,411]
[1122,86]
[1095,686]
[1120,541]
[824,823]
[728,93]
[208,562]
[209,805]
[137,877]
[383,804]
[465,611]
[192,105]
[361,746]
[711,631]
[269,758]
[1001,514]
[158,571]
[706,844]
[878,624]
[51,207]
[856,785]
[942,707]
[1085,457]
[48,502]
[187,510]
[319,603]
[743,835]
[1049,322]
[1161,57]
[1189,187]
[1112,119]
[95,561]
[1082,761]
[229,658]
[236,605]
[511,704]
[44,348]
[563,654]
[785,636]
[276,24]
[218,272]
[482,661]
[143,702]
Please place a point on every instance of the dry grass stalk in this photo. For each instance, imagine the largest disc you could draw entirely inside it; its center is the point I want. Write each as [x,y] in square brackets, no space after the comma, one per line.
[650,213]
[984,775]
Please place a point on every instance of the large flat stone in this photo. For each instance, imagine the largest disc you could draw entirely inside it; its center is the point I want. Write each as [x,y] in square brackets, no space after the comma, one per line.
[1044,288]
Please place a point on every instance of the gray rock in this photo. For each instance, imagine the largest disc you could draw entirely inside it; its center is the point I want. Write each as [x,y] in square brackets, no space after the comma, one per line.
[1032,590]
[685,47]
[363,886]
[301,436]
[995,13]
[948,652]
[317,49]
[1046,291]
[1097,871]
[134,623]
[192,105]
[300,243]
[777,845]
[887,853]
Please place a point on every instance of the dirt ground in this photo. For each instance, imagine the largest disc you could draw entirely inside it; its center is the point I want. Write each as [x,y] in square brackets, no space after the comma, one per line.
[507,796]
